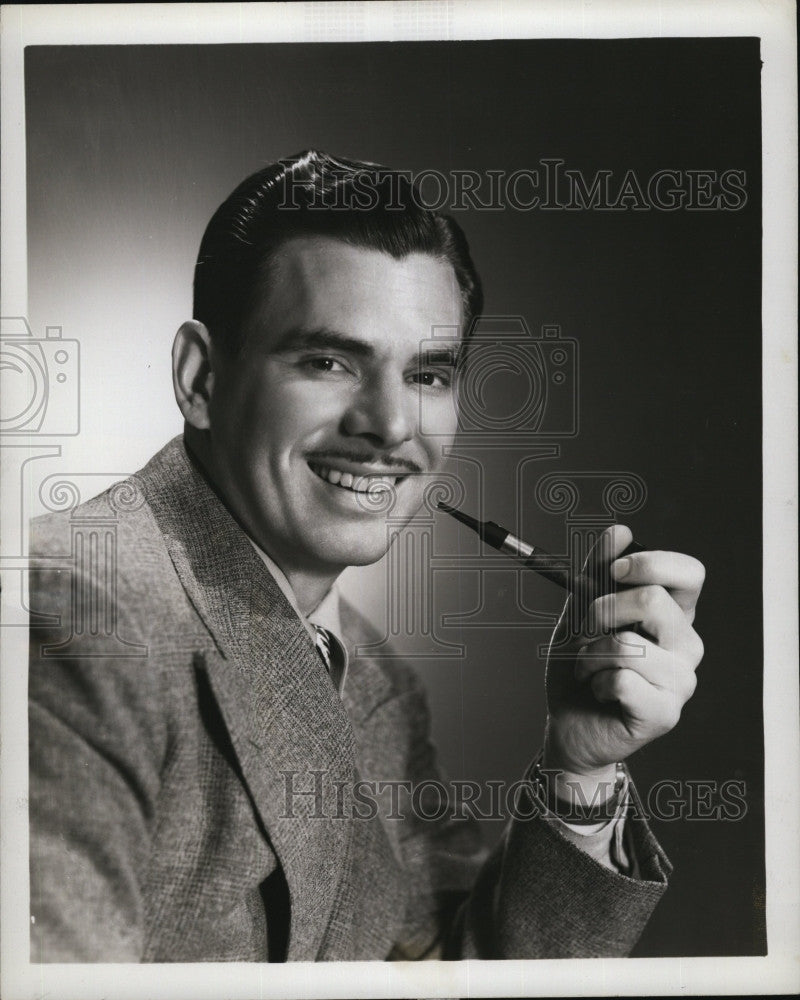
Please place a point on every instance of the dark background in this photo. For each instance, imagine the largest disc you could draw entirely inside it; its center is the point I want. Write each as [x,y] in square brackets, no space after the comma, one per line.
[131,148]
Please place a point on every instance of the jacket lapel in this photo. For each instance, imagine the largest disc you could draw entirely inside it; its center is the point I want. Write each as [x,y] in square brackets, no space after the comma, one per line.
[287,724]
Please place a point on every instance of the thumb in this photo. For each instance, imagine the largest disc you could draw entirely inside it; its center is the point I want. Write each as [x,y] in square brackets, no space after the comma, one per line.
[609,545]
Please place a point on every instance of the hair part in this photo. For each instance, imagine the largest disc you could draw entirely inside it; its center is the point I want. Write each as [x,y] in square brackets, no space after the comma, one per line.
[315,194]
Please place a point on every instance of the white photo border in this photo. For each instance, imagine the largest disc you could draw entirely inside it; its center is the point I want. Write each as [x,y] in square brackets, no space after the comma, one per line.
[773,23]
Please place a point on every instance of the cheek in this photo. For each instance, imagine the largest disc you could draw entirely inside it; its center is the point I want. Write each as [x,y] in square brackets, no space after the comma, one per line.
[284,414]
[438,428]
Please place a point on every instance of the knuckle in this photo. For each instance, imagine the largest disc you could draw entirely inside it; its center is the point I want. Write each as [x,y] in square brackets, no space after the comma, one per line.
[672,720]
[698,649]
[622,682]
[671,715]
[690,686]
[627,645]
[650,598]
[683,686]
[698,571]
[689,572]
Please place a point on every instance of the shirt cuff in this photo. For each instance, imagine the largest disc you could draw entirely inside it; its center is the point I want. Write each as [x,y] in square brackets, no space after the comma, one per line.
[606,841]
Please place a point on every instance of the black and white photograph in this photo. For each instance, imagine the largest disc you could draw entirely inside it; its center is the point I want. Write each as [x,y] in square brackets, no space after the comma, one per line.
[399,549]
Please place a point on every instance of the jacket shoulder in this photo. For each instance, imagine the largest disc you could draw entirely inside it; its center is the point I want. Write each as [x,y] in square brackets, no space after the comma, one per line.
[113,545]
[122,510]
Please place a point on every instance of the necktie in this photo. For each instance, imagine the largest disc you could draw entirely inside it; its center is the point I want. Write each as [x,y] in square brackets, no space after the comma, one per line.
[324,646]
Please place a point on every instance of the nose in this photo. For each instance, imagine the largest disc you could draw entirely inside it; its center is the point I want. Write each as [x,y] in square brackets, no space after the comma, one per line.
[382,412]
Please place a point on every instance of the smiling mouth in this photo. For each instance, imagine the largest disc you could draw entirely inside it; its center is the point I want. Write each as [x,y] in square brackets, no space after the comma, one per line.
[355,482]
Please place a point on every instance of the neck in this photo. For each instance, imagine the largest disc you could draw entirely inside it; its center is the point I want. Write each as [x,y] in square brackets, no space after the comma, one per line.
[309,589]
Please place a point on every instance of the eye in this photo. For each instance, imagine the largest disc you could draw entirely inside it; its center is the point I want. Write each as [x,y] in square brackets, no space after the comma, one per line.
[324,364]
[433,379]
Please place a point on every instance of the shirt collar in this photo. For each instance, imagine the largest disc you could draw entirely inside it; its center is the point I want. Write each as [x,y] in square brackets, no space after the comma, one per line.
[327,614]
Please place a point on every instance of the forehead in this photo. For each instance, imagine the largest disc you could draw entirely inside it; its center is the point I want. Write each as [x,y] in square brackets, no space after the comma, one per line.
[320,282]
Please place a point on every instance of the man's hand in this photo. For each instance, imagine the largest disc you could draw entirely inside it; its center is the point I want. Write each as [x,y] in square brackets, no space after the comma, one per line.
[611,692]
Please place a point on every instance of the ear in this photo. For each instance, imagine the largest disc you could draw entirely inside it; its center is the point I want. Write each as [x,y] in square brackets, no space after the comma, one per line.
[192,375]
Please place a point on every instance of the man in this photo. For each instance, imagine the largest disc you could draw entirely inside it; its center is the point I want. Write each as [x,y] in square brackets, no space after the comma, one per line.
[197,783]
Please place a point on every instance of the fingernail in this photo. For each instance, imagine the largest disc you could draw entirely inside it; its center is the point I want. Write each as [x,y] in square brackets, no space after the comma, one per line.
[621,568]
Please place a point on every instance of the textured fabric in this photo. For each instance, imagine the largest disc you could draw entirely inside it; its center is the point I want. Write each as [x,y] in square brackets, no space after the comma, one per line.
[194,774]
[285,587]
[326,616]
[605,841]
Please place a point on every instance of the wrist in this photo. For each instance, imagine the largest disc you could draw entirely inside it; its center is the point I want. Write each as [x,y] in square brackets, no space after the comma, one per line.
[572,782]
[582,798]
[576,787]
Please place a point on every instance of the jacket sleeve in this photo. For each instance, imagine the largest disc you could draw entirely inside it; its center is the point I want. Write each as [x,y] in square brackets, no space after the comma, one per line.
[536,895]
[96,744]
[540,896]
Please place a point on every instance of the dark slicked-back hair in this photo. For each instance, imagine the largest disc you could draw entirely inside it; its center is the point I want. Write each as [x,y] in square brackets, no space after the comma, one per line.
[314,194]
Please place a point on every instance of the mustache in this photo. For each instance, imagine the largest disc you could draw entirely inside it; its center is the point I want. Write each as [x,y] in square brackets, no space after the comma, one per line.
[403,465]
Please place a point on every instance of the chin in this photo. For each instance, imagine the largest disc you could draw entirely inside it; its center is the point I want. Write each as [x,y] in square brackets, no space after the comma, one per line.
[345,544]
[366,559]
[357,555]
[352,545]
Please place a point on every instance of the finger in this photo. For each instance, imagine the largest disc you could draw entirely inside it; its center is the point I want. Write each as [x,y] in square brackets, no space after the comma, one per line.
[682,575]
[650,608]
[623,649]
[630,651]
[627,687]
[609,545]
[643,704]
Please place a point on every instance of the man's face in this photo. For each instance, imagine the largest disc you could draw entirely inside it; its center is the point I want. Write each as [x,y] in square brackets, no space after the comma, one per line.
[322,405]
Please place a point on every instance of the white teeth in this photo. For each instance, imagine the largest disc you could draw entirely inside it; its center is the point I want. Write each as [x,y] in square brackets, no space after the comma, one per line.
[358,484]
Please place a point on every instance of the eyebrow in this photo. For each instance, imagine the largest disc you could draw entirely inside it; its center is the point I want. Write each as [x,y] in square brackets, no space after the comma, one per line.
[324,338]
[299,339]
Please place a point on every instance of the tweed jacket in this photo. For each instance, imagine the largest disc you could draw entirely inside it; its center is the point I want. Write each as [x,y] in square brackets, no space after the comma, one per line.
[193,772]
